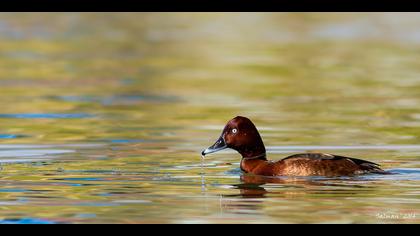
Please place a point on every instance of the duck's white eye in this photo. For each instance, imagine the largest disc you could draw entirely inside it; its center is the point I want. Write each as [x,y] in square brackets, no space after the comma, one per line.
[234,131]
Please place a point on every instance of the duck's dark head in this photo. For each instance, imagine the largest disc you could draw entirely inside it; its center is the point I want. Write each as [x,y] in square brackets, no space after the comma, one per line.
[239,134]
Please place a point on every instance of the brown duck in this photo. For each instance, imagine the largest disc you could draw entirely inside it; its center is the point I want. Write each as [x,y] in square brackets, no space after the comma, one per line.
[241,135]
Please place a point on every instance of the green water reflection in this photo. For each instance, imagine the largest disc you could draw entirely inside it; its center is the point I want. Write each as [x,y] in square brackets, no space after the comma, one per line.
[103,116]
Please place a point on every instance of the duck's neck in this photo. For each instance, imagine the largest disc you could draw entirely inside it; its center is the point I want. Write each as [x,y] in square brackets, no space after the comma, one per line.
[256,151]
[248,164]
[252,159]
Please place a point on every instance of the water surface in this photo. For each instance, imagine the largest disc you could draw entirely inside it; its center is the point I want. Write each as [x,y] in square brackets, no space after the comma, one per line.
[104,116]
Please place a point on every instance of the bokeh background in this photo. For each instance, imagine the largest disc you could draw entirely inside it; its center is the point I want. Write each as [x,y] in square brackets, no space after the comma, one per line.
[187,69]
[103,115]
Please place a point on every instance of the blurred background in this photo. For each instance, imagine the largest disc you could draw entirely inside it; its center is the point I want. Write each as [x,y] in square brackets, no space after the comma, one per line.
[351,71]
[103,113]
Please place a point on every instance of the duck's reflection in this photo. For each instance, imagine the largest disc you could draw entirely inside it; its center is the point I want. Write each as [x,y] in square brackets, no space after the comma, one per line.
[251,195]
[253,185]
[254,190]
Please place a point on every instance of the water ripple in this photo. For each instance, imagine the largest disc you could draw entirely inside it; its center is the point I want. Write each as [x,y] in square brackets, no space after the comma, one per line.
[12,136]
[26,221]
[354,147]
[46,116]
[116,99]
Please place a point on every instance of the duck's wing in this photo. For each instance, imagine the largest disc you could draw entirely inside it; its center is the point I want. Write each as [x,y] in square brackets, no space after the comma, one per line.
[331,162]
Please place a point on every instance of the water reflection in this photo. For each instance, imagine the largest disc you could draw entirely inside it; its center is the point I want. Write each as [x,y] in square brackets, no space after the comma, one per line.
[108,130]
[45,116]
[27,221]
[117,99]
[253,185]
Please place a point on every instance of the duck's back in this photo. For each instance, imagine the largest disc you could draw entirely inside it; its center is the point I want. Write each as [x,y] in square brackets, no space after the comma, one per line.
[321,164]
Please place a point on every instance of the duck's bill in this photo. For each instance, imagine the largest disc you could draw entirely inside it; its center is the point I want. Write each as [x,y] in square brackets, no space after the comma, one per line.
[217,146]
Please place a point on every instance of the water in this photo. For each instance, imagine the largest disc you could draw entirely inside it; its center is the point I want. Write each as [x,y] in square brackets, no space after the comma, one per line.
[104,116]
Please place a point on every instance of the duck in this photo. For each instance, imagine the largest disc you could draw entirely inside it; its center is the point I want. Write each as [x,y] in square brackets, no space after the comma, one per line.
[241,135]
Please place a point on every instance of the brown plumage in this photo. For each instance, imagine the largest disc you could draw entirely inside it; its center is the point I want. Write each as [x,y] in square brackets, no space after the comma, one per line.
[241,135]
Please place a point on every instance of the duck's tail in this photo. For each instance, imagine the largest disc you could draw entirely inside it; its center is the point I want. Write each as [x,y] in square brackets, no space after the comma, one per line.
[369,167]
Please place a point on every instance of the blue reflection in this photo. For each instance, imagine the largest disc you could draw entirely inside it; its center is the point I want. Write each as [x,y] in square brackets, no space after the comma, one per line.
[26,221]
[46,116]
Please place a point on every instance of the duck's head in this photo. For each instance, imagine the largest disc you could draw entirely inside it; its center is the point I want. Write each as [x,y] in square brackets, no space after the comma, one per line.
[239,134]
